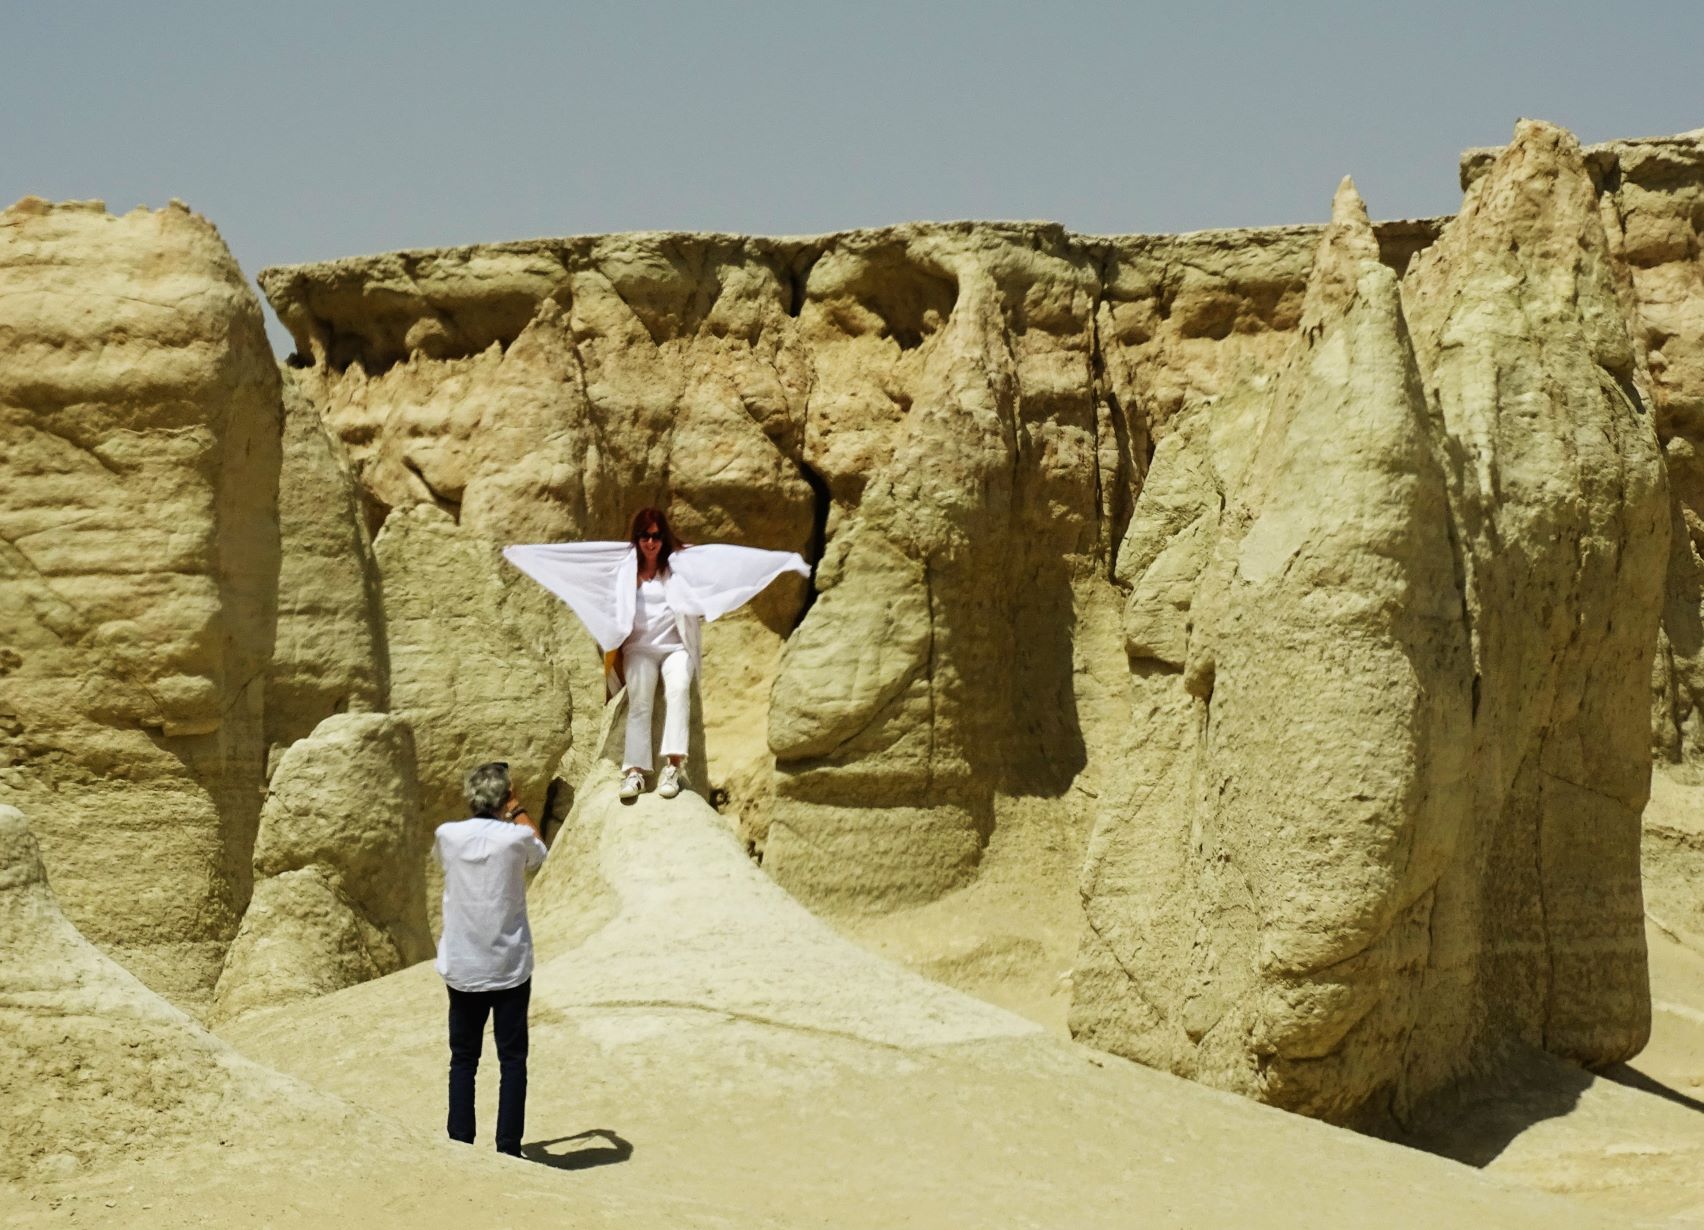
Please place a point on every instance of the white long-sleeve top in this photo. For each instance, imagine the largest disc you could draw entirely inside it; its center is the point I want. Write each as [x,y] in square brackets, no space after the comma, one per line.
[656,627]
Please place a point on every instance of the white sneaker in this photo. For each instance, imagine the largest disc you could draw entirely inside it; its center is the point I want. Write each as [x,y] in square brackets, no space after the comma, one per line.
[672,781]
[632,784]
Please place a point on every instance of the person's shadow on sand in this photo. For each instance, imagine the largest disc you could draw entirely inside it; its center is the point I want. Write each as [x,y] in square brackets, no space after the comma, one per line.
[584,1157]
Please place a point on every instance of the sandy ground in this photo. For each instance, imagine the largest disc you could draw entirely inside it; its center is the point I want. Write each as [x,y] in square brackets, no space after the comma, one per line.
[707,1053]
[702,1042]
[1630,1140]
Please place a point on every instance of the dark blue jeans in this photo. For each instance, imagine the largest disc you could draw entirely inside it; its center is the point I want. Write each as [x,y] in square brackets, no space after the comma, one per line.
[508,1012]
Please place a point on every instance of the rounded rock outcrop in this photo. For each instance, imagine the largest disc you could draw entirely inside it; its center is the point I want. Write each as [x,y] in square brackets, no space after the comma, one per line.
[340,889]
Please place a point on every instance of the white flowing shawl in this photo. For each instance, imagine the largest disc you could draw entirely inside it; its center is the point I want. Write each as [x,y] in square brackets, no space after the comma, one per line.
[597,580]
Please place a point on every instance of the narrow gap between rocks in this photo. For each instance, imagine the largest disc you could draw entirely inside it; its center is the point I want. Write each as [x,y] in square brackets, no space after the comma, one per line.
[821,501]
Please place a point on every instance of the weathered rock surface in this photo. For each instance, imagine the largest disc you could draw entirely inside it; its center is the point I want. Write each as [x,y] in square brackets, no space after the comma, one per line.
[91,1062]
[139,410]
[1659,217]
[960,422]
[1391,726]
[643,369]
[1360,732]
[330,655]
[1652,205]
[340,887]
[760,388]
[473,663]
[935,666]
[1560,504]
[1264,895]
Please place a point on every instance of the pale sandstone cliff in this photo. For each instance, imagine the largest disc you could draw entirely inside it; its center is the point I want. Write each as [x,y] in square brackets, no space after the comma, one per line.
[958,422]
[762,388]
[1044,478]
[1652,205]
[1387,823]
[330,654]
[139,409]
[1257,905]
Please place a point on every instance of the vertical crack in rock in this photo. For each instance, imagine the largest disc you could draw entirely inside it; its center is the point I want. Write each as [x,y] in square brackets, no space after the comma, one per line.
[798,278]
[822,505]
[1113,499]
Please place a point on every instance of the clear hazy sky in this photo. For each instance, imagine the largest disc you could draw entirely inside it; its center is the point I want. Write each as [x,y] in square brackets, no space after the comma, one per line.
[310,130]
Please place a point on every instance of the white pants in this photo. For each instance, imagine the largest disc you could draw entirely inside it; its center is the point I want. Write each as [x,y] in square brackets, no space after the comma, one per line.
[642,670]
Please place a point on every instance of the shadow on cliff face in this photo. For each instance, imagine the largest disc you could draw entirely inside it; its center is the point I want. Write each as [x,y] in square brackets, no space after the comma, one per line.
[1040,748]
[936,668]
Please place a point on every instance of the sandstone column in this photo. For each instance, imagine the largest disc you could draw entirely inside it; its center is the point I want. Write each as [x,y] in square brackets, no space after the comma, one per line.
[140,415]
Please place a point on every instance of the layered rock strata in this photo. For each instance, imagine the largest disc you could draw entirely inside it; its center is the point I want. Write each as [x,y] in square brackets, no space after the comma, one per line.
[954,417]
[1658,197]
[1652,204]
[330,655]
[1327,587]
[139,408]
[1388,623]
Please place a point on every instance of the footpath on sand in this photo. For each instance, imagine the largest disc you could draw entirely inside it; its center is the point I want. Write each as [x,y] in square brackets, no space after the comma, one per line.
[702,1042]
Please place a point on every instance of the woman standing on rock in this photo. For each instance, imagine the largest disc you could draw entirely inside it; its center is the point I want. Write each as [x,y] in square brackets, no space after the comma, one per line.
[644,601]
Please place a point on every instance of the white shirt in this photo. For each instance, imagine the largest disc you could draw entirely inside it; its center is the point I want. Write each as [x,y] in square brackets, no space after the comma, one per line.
[486,945]
[654,627]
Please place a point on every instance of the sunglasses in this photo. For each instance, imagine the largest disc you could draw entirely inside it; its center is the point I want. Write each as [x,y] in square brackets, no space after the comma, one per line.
[649,537]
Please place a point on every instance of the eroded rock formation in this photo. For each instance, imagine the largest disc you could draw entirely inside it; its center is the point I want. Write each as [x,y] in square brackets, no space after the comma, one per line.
[1560,507]
[340,886]
[1268,896]
[139,409]
[1658,218]
[330,655]
[924,408]
[935,667]
[92,1065]
[1390,662]
[469,670]
[1279,622]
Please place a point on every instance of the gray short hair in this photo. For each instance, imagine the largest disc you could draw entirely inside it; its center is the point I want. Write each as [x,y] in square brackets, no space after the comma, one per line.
[486,787]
